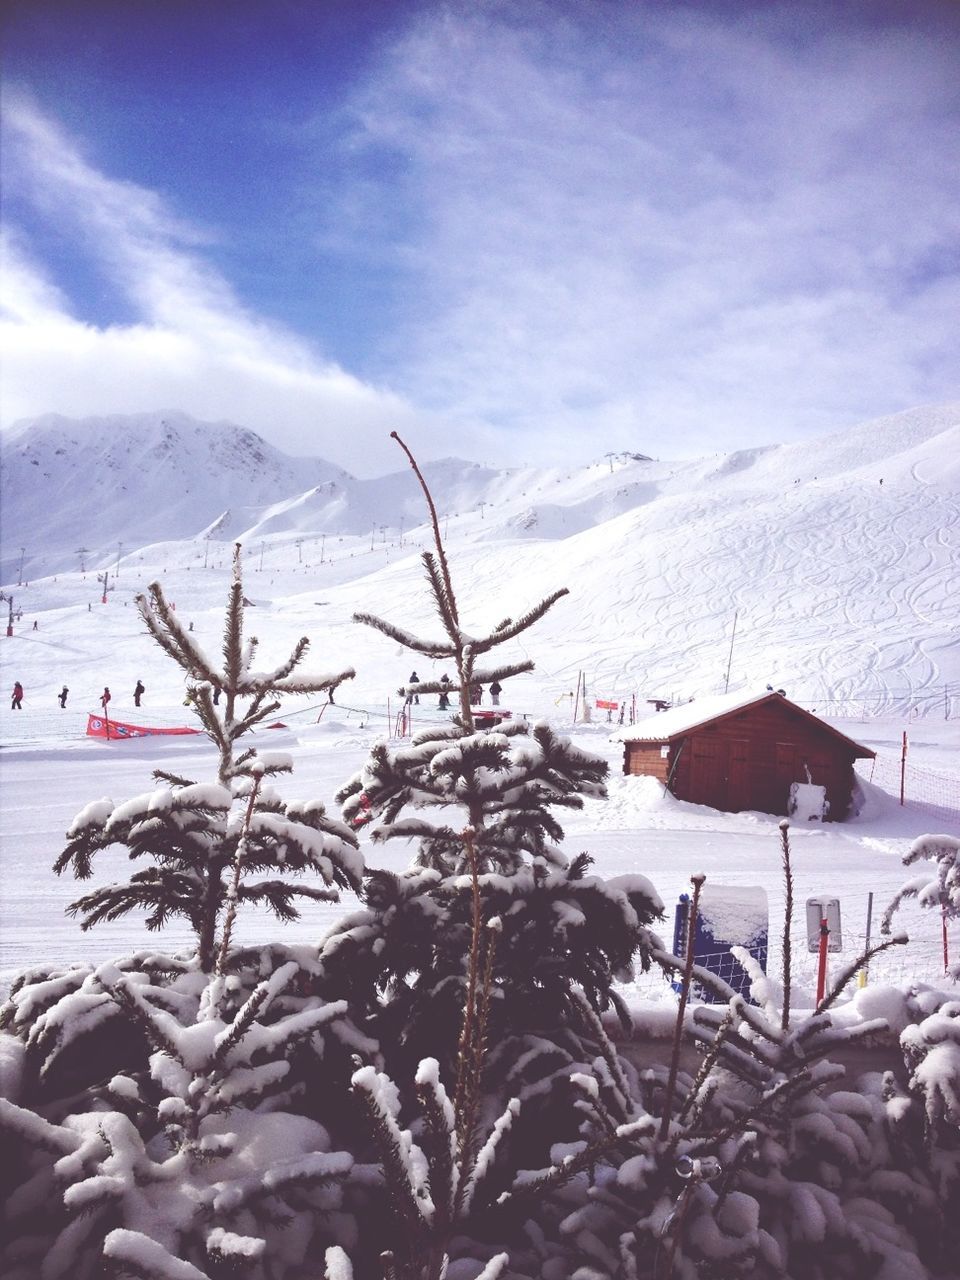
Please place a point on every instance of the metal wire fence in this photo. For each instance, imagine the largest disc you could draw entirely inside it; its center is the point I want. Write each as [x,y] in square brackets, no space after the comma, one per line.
[929,790]
[921,960]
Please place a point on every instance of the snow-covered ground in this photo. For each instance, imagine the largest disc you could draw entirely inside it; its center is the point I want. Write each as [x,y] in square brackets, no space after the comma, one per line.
[845,592]
[637,829]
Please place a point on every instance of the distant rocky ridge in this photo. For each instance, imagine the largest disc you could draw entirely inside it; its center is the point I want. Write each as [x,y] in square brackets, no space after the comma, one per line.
[137,479]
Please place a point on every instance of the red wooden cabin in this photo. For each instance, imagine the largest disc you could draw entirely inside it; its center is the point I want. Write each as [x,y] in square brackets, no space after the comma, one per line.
[742,751]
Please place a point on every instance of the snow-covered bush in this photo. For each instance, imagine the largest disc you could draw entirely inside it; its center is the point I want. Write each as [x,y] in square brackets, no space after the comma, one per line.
[190,1169]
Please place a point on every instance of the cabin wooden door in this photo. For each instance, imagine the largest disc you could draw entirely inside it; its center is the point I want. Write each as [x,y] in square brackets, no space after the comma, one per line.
[740,788]
[708,770]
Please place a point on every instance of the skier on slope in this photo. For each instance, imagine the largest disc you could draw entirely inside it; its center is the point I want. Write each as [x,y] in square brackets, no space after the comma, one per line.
[16,698]
[62,696]
[105,699]
[138,692]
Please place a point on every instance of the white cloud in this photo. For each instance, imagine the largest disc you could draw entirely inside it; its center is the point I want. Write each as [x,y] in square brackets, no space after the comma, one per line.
[671,231]
[194,346]
[681,232]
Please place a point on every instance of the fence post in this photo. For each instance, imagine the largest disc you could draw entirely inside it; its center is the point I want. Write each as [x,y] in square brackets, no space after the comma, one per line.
[862,981]
[946,951]
[903,764]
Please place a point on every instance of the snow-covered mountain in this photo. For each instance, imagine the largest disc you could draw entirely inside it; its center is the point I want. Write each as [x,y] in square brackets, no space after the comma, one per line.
[134,479]
[836,560]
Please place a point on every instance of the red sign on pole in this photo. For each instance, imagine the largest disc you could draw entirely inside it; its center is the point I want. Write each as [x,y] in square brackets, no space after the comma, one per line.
[604,704]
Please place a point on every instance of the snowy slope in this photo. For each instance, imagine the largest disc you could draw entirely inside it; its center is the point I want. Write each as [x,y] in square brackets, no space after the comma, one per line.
[844,590]
[133,479]
[845,593]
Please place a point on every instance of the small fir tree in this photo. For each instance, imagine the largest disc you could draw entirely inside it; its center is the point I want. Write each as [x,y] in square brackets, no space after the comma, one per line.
[938,888]
[405,960]
[480,804]
[205,840]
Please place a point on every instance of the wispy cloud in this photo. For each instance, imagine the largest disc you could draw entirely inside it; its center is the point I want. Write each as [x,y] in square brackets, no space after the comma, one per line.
[675,229]
[574,227]
[193,346]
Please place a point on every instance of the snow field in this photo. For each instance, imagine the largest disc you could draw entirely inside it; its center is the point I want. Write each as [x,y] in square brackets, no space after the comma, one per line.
[844,592]
[638,830]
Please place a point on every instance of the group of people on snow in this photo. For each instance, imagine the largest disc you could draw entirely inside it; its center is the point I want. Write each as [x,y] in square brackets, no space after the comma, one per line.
[476,692]
[16,697]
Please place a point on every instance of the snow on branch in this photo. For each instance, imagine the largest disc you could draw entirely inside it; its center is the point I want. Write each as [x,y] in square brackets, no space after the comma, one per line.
[937,888]
[508,629]
[430,648]
[147,1257]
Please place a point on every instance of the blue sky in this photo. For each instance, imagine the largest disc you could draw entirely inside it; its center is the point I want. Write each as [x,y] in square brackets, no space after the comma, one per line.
[517,232]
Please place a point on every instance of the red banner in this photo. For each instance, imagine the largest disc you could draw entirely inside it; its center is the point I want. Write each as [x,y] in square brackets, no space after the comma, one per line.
[102,727]
[604,704]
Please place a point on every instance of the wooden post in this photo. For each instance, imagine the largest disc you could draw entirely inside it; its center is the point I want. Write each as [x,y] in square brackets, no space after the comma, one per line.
[822,963]
[946,950]
[903,765]
[862,980]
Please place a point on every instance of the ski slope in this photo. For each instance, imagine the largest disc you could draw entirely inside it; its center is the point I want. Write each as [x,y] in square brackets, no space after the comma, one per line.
[842,590]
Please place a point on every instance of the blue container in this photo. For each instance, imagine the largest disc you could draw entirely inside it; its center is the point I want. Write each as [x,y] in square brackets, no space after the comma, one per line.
[728,916]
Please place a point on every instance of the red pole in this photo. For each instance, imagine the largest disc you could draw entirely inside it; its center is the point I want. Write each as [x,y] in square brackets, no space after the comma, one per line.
[822,967]
[903,764]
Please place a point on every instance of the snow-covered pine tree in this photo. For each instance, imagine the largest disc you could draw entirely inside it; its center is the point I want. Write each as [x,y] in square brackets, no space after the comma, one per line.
[935,889]
[193,1168]
[926,1116]
[405,958]
[480,804]
[759,1167]
[206,840]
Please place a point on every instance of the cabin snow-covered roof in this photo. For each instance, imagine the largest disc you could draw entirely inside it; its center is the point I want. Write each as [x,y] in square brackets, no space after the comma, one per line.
[664,726]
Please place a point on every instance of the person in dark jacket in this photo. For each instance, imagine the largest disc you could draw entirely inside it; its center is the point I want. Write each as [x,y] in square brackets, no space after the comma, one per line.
[412,695]
[138,692]
[445,692]
[62,696]
[495,689]
[16,698]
